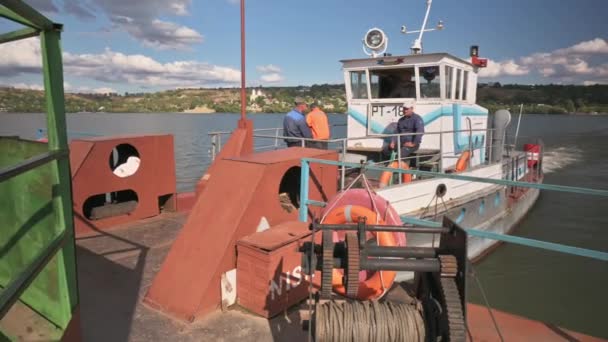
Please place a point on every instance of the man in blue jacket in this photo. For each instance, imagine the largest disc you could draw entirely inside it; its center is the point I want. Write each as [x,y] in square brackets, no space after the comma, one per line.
[294,124]
[410,122]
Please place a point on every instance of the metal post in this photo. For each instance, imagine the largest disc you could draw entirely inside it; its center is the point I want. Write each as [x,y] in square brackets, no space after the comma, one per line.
[440,152]
[213,144]
[276,138]
[304,175]
[243,89]
[521,109]
[470,162]
[491,145]
[539,164]
[343,171]
[398,156]
[58,141]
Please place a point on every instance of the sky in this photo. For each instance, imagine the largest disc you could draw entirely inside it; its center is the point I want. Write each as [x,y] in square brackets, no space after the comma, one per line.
[150,45]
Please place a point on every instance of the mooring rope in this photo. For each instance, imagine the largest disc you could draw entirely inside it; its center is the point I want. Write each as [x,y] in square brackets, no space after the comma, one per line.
[485,299]
[369,321]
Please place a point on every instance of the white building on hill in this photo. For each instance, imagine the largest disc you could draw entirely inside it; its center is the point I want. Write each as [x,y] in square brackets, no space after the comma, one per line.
[255,93]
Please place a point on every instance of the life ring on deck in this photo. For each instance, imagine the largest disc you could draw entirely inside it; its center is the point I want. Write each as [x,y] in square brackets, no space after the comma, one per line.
[372,285]
[463,161]
[387,175]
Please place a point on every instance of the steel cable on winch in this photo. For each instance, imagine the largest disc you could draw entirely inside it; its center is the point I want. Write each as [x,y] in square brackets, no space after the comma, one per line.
[369,322]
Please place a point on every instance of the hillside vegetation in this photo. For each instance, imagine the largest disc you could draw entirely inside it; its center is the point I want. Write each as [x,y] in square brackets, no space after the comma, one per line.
[542,99]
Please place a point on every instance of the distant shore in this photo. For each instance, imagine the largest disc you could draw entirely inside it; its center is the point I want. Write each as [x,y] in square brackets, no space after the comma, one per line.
[207,112]
[537,99]
[200,110]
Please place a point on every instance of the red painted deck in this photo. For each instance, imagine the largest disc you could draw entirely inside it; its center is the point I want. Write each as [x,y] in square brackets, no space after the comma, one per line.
[116,268]
[515,328]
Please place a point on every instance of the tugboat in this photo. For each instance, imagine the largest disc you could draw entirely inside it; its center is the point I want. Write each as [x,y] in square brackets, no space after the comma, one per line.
[459,137]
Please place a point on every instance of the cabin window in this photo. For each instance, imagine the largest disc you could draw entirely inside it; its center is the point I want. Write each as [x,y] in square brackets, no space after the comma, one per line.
[458,84]
[448,81]
[358,84]
[393,83]
[465,84]
[429,82]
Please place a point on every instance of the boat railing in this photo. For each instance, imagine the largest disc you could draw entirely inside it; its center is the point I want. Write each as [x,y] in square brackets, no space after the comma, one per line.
[42,133]
[514,164]
[306,201]
[340,144]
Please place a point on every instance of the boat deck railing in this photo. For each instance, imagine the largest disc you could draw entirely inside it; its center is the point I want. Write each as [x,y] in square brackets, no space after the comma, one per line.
[513,163]
[306,201]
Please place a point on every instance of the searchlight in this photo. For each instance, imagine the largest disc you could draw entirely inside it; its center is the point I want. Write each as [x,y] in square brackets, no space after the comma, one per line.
[375,42]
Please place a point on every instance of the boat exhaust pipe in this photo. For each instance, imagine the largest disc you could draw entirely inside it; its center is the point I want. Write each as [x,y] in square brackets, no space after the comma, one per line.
[500,122]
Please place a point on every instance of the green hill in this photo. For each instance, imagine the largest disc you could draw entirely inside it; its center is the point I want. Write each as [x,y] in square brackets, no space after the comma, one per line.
[543,99]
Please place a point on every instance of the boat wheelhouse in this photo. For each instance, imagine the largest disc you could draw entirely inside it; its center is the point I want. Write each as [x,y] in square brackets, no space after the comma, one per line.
[442,88]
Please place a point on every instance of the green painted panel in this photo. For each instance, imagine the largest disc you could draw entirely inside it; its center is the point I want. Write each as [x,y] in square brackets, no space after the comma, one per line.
[28,225]
[52,67]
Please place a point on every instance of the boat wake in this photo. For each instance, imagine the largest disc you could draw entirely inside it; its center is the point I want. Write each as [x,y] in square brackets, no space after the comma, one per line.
[560,157]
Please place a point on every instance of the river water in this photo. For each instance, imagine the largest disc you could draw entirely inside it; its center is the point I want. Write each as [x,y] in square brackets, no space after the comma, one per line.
[565,290]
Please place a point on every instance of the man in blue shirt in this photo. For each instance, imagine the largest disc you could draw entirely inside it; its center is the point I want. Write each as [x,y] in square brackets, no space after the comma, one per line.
[294,124]
[410,122]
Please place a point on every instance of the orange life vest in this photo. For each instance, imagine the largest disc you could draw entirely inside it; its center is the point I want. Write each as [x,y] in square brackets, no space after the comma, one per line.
[387,175]
[317,121]
[463,161]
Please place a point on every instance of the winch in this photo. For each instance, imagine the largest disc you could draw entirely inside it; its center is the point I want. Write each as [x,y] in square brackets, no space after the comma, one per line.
[432,310]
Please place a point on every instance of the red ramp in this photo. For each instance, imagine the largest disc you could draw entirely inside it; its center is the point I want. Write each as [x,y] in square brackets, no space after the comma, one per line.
[241,192]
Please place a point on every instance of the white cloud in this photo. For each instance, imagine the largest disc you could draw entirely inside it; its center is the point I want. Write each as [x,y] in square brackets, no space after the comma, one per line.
[595,46]
[271,78]
[21,85]
[43,5]
[104,90]
[68,88]
[574,64]
[78,9]
[159,34]
[115,67]
[267,69]
[504,68]
[590,83]
[270,73]
[141,20]
[20,56]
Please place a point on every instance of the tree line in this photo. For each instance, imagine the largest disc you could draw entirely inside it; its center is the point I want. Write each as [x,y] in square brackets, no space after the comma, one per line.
[540,99]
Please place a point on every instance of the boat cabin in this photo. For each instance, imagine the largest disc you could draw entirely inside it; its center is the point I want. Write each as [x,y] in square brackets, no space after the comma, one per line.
[442,88]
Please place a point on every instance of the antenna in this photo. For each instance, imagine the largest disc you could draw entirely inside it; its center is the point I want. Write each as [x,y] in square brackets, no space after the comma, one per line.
[417,45]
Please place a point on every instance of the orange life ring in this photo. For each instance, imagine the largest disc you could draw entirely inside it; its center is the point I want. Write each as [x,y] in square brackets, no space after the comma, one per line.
[463,161]
[387,175]
[378,282]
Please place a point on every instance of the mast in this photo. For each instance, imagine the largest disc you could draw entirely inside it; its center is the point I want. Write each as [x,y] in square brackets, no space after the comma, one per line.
[243,95]
[417,45]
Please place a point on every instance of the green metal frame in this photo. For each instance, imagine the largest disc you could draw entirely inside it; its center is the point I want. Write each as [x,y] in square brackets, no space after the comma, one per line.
[61,298]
